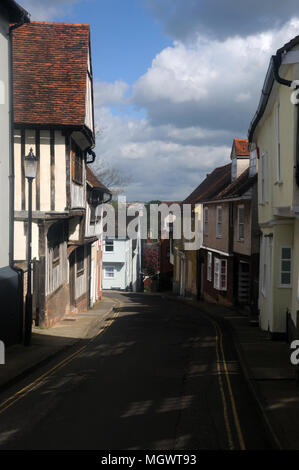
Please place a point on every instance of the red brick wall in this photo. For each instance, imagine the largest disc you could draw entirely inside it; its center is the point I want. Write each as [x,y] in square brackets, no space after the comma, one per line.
[57,306]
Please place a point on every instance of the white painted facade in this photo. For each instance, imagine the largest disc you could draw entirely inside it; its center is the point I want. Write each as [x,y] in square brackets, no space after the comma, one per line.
[120,261]
[122,265]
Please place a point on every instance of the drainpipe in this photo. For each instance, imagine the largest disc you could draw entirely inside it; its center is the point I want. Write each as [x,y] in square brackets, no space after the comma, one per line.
[276,59]
[24,20]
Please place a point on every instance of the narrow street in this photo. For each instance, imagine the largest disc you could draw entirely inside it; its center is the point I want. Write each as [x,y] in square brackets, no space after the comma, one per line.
[161,375]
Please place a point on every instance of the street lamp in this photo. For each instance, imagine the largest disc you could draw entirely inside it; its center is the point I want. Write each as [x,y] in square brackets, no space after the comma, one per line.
[30,167]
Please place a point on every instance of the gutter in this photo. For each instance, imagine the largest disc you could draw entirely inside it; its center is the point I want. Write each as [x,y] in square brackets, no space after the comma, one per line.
[24,19]
[271,76]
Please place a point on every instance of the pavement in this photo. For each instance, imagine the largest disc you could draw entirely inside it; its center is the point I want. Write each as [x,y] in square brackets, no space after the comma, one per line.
[265,363]
[47,343]
[267,368]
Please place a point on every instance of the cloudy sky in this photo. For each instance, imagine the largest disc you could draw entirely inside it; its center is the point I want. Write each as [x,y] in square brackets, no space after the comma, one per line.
[174,80]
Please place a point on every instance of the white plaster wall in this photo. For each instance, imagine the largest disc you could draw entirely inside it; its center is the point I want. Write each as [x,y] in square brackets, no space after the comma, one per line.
[18,170]
[45,171]
[20,242]
[60,172]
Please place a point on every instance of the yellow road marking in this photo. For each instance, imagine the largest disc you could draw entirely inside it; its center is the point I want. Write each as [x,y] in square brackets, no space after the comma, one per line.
[231,395]
[219,342]
[24,391]
[225,412]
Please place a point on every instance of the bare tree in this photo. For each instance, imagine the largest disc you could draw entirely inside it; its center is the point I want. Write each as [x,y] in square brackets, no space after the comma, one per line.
[111,176]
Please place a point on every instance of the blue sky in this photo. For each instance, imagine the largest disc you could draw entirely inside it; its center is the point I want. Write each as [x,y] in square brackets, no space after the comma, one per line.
[174,81]
[124,37]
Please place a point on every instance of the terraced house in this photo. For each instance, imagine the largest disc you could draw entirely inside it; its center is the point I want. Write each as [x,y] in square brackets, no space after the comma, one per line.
[274,140]
[231,236]
[54,116]
[188,277]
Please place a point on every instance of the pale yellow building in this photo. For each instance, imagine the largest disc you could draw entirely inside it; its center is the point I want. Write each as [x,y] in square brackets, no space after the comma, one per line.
[273,137]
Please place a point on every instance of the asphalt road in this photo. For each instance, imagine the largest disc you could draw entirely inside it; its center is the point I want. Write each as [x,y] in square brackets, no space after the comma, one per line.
[160,376]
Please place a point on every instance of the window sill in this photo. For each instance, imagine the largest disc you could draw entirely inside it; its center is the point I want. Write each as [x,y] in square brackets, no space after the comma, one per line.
[78,183]
[285,287]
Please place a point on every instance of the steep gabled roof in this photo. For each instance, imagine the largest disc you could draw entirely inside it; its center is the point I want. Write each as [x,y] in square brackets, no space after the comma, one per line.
[50,62]
[211,185]
[93,181]
[238,187]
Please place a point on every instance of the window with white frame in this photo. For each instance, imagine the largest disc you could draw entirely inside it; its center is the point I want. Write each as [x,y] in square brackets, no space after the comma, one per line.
[264,267]
[219,221]
[241,223]
[206,220]
[220,274]
[252,162]
[109,245]
[285,266]
[262,198]
[109,272]
[209,267]
[278,141]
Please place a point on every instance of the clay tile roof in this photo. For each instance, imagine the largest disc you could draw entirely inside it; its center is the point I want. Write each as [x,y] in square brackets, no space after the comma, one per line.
[50,63]
[238,187]
[93,181]
[211,185]
[241,146]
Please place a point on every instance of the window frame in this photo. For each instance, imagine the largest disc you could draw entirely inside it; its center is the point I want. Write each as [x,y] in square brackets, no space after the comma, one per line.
[80,270]
[264,274]
[219,263]
[105,272]
[110,244]
[219,223]
[253,162]
[77,161]
[209,266]
[278,154]
[262,178]
[206,221]
[281,285]
[239,208]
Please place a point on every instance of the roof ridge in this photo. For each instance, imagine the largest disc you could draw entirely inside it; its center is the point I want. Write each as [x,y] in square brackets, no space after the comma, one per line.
[57,23]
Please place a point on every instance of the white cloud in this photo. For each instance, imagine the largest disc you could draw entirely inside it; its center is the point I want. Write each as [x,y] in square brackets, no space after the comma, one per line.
[197,99]
[161,161]
[213,84]
[106,93]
